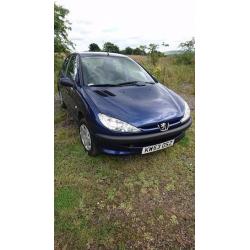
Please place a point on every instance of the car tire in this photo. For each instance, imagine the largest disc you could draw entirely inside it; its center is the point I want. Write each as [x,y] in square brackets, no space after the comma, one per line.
[62,103]
[85,136]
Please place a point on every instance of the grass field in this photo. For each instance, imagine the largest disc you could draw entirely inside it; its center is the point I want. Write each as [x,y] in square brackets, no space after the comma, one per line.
[135,202]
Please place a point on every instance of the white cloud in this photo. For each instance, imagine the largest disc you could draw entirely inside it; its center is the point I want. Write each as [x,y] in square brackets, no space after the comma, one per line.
[130,23]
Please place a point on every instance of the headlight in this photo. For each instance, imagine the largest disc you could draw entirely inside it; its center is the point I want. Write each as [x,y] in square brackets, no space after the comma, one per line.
[116,125]
[186,113]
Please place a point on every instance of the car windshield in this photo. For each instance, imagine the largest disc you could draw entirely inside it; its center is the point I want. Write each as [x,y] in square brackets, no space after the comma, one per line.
[110,70]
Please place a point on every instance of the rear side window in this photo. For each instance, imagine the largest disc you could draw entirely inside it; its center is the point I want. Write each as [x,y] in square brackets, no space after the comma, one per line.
[72,68]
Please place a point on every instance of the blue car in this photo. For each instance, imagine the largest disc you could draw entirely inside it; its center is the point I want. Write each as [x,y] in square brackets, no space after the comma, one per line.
[120,107]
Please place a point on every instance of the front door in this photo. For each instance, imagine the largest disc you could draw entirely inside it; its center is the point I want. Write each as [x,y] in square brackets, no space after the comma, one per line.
[71,74]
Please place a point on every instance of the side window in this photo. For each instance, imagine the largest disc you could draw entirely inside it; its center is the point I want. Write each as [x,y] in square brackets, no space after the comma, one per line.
[77,76]
[72,68]
[65,64]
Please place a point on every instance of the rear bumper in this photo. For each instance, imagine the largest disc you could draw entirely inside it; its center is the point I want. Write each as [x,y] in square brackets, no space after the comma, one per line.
[132,144]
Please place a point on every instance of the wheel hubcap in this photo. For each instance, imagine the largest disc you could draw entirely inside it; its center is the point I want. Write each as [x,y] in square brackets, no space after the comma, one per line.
[85,137]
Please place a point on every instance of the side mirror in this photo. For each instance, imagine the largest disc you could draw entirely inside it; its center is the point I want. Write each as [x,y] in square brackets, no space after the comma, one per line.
[66,82]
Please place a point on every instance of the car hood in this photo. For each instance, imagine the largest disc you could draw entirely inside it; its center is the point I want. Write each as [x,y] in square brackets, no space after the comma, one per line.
[137,105]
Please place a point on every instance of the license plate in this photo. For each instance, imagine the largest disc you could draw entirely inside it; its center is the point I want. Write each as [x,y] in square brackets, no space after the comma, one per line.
[156,147]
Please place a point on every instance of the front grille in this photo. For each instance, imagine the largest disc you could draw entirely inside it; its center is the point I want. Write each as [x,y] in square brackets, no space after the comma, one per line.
[173,123]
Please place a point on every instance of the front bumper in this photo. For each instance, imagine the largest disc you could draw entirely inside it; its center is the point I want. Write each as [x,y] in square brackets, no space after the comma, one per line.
[133,144]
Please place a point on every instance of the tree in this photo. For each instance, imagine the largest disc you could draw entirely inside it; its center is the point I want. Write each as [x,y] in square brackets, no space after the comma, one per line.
[128,51]
[94,47]
[122,52]
[152,47]
[188,55]
[153,53]
[61,28]
[138,51]
[165,44]
[188,45]
[143,49]
[110,47]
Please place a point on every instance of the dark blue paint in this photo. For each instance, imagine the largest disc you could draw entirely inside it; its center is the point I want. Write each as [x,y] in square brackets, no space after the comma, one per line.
[141,106]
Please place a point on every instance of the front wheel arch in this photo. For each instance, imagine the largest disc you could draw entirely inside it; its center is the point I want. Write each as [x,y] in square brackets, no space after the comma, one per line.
[94,149]
[80,116]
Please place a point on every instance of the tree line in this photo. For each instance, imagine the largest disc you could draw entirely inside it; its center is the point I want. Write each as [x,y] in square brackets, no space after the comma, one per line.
[140,50]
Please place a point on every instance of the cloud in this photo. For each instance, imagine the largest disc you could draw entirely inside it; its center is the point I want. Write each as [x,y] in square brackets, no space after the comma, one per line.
[76,39]
[132,24]
[110,30]
[83,22]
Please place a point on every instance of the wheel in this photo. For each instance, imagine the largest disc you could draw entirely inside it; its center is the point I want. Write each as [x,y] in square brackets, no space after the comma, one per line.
[87,139]
[63,105]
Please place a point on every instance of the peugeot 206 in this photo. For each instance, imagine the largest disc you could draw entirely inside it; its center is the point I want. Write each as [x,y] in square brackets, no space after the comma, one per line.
[119,106]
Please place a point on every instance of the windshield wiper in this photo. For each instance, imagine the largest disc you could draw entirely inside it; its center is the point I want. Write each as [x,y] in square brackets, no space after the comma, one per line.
[136,83]
[128,83]
[149,82]
[101,85]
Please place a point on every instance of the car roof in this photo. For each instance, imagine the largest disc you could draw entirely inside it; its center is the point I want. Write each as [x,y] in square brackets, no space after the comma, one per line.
[89,54]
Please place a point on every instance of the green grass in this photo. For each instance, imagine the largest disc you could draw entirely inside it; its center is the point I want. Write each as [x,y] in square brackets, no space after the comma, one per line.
[179,77]
[107,202]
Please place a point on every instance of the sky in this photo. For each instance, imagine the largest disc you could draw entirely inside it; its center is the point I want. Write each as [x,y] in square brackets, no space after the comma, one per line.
[130,23]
